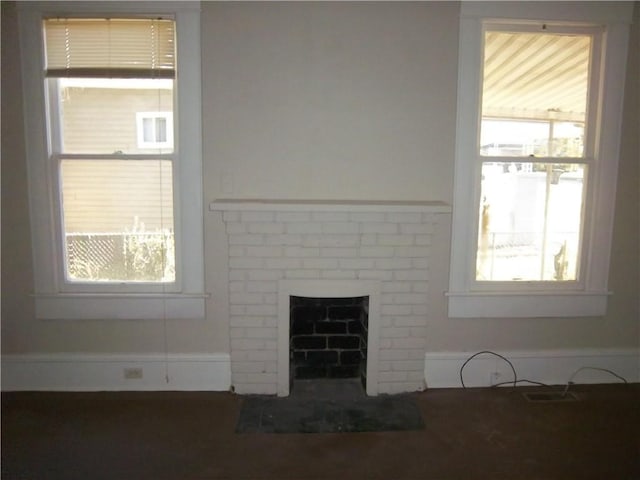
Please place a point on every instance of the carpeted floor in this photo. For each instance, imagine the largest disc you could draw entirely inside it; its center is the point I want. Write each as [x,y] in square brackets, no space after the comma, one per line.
[477,434]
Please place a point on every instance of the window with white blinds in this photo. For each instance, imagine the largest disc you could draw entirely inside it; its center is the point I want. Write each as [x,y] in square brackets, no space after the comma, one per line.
[114,147]
[117,203]
[110,47]
[111,104]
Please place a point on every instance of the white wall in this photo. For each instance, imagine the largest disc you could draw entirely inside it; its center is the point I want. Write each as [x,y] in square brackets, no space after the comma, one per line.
[330,100]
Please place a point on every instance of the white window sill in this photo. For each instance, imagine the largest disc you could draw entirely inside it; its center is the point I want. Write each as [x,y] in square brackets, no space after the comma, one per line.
[526,305]
[79,306]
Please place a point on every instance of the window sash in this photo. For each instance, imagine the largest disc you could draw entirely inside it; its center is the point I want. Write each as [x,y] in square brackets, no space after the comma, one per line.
[127,243]
[68,284]
[596,32]
[56,133]
[587,158]
[530,237]
[134,30]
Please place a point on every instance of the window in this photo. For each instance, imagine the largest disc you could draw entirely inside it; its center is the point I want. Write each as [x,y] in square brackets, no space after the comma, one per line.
[533,161]
[539,106]
[111,217]
[155,129]
[117,204]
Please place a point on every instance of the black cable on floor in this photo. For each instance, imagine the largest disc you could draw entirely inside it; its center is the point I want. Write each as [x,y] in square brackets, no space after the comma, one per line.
[570,382]
[515,375]
[520,381]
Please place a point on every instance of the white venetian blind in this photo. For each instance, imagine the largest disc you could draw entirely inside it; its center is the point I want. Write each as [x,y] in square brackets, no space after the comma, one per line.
[110,47]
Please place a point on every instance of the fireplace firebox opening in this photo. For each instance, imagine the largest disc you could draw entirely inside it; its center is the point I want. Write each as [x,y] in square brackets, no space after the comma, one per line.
[328,338]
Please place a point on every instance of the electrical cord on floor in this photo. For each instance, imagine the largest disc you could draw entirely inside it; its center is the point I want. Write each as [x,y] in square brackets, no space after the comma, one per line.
[519,381]
[515,375]
[515,380]
[570,381]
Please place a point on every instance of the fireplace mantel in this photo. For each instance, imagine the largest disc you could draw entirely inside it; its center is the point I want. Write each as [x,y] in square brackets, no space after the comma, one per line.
[329,205]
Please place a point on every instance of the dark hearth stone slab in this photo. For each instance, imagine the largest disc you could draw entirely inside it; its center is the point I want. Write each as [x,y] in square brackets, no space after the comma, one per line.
[267,414]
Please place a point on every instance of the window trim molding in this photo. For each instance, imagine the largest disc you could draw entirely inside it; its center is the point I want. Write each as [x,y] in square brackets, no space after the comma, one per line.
[588,297]
[52,300]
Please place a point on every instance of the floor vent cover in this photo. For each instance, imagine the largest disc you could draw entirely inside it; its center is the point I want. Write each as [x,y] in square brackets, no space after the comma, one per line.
[550,397]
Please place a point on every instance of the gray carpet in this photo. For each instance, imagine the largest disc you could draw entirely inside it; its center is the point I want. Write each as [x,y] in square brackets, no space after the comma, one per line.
[265,414]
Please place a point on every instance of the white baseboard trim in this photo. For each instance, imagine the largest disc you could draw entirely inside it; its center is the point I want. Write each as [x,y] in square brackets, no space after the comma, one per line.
[212,372]
[552,367]
[89,372]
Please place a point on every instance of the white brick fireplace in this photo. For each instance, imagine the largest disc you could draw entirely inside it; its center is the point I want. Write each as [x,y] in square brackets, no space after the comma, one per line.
[328,249]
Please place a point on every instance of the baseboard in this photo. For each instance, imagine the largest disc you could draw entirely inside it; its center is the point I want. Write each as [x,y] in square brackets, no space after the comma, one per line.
[212,372]
[552,367]
[87,372]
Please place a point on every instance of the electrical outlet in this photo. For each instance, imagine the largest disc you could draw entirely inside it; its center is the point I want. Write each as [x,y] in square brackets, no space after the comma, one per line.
[495,378]
[132,373]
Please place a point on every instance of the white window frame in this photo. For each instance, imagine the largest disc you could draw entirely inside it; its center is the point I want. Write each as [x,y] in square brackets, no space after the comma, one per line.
[141,117]
[468,298]
[56,298]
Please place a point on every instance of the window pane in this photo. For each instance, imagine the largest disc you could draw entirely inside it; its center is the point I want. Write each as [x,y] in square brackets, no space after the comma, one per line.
[534,94]
[147,130]
[99,115]
[118,220]
[521,138]
[530,221]
[161,130]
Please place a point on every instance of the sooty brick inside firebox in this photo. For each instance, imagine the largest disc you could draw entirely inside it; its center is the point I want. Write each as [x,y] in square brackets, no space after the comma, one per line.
[328,337]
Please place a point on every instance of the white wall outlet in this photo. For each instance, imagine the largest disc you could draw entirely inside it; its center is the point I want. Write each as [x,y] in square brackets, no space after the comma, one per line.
[132,373]
[495,378]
